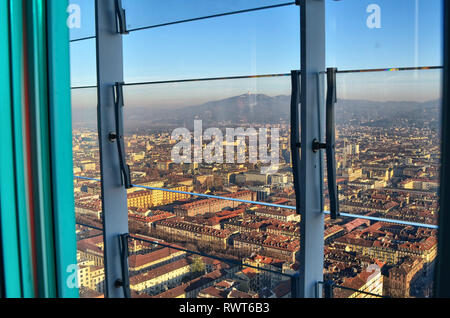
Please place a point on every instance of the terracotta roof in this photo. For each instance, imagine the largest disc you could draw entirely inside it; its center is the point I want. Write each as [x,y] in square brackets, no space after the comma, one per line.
[172,293]
[240,294]
[159,271]
[214,292]
[283,288]
[152,257]
[178,223]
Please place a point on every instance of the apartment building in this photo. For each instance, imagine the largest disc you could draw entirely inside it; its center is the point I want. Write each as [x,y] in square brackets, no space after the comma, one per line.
[161,278]
[177,228]
[277,246]
[159,257]
[213,205]
[369,281]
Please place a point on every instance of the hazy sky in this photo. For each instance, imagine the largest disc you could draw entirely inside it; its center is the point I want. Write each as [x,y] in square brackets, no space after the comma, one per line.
[264,42]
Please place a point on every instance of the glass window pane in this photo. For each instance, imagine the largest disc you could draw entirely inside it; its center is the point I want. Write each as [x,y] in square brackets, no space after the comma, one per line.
[387,146]
[83,64]
[88,204]
[81,19]
[160,206]
[214,48]
[259,107]
[160,269]
[384,34]
[144,13]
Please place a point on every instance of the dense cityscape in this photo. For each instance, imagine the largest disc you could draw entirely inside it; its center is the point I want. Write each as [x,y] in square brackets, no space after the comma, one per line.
[386,169]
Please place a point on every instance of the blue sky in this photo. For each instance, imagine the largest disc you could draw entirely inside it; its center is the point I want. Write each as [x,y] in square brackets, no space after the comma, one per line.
[268,41]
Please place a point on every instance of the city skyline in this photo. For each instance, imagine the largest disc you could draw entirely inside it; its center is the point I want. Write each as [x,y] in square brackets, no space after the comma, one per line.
[387,152]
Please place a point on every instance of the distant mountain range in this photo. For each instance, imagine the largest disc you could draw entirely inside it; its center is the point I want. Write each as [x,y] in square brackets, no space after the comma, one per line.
[385,114]
[239,109]
[251,108]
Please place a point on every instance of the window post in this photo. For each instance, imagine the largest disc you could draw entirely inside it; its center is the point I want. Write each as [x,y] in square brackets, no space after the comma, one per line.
[114,194]
[312,20]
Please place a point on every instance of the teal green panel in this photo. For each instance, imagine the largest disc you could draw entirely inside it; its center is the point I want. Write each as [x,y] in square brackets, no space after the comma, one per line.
[17,80]
[8,217]
[40,146]
[61,144]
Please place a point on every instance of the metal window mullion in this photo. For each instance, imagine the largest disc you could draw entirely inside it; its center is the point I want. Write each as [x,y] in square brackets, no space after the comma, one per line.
[61,146]
[18,100]
[312,20]
[114,196]
[40,146]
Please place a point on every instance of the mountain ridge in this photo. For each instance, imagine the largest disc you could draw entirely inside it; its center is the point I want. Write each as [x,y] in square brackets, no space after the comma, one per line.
[261,108]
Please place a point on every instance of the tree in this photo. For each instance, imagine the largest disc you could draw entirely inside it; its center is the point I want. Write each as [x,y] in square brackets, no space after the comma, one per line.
[198,267]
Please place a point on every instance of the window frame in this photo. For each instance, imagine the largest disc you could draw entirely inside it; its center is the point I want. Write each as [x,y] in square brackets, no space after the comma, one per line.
[309,202]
